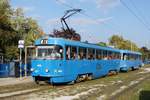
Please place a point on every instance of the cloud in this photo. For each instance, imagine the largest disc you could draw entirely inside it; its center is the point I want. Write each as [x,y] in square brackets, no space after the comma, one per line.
[107,4]
[86,21]
[61,1]
[80,21]
[53,21]
[104,5]
[28,9]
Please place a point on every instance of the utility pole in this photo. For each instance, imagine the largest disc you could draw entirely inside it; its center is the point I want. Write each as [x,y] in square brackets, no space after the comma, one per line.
[20,46]
[20,63]
[131,45]
[25,63]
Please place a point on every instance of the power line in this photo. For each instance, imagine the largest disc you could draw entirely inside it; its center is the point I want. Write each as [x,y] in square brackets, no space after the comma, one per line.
[65,4]
[139,12]
[132,12]
[83,13]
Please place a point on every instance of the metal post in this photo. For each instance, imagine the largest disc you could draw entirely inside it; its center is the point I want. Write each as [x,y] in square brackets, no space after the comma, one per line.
[20,63]
[25,67]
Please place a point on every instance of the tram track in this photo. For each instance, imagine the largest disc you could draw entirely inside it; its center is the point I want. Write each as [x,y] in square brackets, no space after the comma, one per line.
[5,95]
[20,89]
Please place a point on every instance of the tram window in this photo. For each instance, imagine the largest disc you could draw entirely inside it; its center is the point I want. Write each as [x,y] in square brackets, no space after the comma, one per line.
[117,56]
[109,55]
[113,55]
[68,50]
[127,57]
[71,52]
[82,53]
[91,54]
[132,57]
[99,54]
[50,52]
[140,57]
[136,57]
[105,56]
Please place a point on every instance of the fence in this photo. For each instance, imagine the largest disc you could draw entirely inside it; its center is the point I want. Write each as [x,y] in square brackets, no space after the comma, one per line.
[13,69]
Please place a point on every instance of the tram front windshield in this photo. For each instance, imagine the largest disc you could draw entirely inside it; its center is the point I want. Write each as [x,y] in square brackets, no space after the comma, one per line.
[49,52]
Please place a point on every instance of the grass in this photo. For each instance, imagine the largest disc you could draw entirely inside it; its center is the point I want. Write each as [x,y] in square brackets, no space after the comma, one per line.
[136,92]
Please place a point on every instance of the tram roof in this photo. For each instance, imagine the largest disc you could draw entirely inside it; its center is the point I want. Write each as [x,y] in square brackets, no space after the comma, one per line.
[130,52]
[61,41]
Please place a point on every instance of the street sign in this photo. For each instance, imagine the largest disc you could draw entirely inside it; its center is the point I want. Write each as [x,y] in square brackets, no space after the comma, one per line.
[21,44]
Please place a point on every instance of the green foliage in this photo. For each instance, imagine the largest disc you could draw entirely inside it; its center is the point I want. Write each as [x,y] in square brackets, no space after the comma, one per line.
[102,44]
[120,43]
[145,53]
[13,27]
[11,52]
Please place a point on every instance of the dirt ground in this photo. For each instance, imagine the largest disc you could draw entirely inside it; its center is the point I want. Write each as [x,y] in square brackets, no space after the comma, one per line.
[13,80]
[124,86]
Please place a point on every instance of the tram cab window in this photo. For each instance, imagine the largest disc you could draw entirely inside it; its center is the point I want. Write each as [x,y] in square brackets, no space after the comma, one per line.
[50,52]
[91,54]
[71,52]
[82,53]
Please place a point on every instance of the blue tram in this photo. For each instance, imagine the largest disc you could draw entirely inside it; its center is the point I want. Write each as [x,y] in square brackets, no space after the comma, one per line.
[60,61]
[130,60]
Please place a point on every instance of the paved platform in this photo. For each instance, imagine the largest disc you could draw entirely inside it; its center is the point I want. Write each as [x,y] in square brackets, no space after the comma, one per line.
[13,80]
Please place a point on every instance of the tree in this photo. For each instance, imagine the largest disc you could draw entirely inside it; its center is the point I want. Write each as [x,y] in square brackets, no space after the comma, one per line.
[145,53]
[5,25]
[65,33]
[120,43]
[15,26]
[102,44]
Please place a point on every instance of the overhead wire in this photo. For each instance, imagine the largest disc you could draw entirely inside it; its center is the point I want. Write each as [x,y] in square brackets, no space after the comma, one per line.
[65,4]
[91,17]
[139,12]
[136,16]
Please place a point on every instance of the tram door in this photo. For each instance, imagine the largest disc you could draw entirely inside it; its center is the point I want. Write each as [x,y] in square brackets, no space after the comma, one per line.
[71,60]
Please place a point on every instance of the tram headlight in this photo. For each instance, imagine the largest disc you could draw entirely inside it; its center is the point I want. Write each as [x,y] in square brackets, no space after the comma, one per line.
[32,69]
[46,70]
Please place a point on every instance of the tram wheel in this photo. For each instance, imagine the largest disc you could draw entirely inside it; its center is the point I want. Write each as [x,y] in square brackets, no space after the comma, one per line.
[89,77]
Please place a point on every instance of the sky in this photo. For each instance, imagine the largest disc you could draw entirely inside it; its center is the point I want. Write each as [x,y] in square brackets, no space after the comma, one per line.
[98,20]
